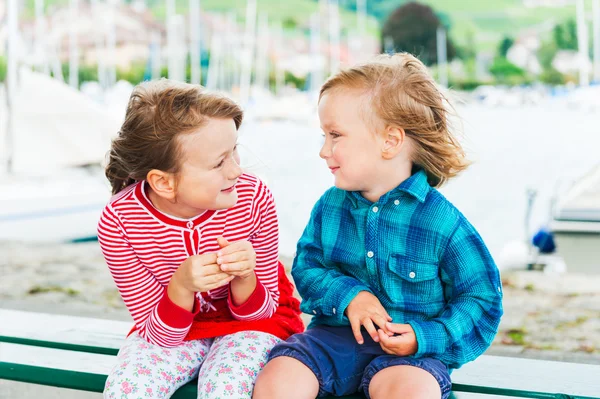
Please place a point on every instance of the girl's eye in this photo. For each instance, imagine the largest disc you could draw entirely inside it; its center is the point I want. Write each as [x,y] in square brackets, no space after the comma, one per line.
[334,135]
[220,164]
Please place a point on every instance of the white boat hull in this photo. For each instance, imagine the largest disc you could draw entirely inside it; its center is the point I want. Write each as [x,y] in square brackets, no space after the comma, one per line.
[63,208]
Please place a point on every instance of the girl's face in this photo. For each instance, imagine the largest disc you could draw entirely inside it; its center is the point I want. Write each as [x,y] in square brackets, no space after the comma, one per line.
[210,167]
[351,149]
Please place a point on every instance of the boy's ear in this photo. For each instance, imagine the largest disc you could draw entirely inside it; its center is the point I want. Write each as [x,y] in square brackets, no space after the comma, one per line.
[393,141]
[162,183]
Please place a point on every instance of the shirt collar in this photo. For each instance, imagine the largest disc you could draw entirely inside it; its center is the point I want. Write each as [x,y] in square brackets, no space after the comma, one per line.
[415,186]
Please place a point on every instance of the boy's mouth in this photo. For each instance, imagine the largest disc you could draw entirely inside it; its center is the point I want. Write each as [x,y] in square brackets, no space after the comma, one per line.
[333,169]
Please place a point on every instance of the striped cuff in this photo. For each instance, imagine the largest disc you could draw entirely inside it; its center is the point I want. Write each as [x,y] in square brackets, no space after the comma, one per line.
[174,315]
[253,304]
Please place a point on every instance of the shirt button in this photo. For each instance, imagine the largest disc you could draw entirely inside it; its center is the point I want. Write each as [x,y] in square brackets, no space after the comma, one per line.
[411,274]
[314,311]
[396,202]
[190,224]
[499,289]
[370,254]
[333,310]
[375,209]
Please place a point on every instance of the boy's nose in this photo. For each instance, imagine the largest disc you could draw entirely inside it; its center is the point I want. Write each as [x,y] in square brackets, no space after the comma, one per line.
[325,151]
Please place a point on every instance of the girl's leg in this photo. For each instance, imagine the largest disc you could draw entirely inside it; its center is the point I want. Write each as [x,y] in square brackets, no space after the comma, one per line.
[145,370]
[233,363]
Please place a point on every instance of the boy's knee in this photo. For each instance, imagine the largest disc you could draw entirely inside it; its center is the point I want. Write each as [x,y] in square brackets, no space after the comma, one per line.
[269,382]
[281,373]
[396,391]
[404,382]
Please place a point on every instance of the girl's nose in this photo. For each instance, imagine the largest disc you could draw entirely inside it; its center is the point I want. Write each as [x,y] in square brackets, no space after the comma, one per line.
[236,169]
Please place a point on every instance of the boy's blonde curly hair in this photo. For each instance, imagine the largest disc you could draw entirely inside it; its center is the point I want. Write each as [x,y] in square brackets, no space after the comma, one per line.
[403,94]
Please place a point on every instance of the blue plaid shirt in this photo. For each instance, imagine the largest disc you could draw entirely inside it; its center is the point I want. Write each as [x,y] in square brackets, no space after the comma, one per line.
[414,251]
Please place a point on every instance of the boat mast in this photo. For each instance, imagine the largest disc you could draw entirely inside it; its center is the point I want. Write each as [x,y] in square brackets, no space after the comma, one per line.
[11,78]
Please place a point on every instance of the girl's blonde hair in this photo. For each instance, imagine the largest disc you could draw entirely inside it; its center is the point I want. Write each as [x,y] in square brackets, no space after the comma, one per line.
[157,113]
[403,94]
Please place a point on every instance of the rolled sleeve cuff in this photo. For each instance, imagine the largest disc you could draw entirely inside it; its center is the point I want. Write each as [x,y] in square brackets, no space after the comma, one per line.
[253,304]
[431,338]
[335,304]
[174,315]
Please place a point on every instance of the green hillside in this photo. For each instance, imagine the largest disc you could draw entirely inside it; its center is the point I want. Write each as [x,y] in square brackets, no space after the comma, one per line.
[483,22]
[290,13]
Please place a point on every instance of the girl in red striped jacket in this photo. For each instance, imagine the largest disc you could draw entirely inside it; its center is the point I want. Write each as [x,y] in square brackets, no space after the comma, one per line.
[192,244]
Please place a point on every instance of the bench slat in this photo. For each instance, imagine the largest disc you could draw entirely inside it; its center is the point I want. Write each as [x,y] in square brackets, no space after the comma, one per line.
[72,330]
[72,379]
[59,345]
[57,378]
[514,392]
[82,341]
[63,369]
[56,358]
[531,375]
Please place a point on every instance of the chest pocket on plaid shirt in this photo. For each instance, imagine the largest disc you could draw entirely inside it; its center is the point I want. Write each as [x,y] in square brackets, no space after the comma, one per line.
[412,281]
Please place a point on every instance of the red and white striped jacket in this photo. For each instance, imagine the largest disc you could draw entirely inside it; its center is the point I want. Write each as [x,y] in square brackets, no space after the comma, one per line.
[143,247]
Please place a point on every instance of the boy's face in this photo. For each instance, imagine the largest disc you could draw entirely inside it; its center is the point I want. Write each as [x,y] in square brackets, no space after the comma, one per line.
[352,149]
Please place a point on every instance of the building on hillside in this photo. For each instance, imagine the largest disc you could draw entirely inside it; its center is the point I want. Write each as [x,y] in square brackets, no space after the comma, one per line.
[547,3]
[568,62]
[523,53]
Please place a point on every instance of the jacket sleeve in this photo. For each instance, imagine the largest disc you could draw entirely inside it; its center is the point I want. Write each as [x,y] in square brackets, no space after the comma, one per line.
[469,322]
[324,288]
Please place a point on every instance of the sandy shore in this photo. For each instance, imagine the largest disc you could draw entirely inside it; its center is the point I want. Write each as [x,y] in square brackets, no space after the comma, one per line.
[554,317]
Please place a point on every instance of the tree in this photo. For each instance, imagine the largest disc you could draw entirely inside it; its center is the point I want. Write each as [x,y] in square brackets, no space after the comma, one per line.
[552,77]
[565,35]
[546,54]
[413,28]
[505,45]
[507,72]
[2,69]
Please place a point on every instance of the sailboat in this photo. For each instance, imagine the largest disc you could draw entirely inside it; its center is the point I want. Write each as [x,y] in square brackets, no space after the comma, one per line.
[52,187]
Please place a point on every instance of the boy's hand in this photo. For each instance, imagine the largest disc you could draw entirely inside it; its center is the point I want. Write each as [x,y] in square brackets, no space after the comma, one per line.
[237,258]
[404,344]
[364,310]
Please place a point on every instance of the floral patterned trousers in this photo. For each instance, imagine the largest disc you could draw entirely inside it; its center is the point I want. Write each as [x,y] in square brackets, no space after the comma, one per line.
[226,366]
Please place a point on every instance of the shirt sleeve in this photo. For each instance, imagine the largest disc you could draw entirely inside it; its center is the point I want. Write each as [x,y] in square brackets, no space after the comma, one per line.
[324,288]
[469,322]
[263,302]
[158,320]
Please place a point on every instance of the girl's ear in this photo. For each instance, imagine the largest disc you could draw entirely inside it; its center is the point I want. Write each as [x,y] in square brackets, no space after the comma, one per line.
[393,142]
[162,183]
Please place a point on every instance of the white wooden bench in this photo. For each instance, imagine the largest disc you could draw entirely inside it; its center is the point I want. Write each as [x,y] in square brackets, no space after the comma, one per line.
[78,353]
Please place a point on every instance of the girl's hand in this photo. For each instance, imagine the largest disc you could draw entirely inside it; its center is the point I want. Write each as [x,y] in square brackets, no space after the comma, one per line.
[364,310]
[200,273]
[403,344]
[237,259]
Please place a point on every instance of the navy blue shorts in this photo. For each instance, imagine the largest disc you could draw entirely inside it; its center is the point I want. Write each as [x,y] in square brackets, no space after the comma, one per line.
[343,367]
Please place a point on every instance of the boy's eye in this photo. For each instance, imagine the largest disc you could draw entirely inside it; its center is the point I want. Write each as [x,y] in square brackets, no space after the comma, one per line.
[220,164]
[334,134]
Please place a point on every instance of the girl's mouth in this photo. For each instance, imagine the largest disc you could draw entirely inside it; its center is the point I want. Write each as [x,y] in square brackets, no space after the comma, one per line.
[228,190]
